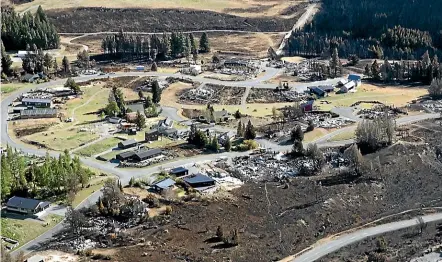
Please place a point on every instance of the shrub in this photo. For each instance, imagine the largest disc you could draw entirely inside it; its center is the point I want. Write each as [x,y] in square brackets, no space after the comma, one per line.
[168,210]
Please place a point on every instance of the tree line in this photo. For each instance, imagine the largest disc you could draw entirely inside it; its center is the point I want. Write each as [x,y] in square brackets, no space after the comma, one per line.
[50,177]
[398,29]
[155,47]
[22,32]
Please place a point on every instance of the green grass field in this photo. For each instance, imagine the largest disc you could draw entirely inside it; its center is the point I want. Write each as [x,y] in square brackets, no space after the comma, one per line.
[99,147]
[343,136]
[26,230]
[70,139]
[6,89]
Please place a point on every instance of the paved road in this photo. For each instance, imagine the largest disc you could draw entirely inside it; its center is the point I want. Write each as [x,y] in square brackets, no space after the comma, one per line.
[328,247]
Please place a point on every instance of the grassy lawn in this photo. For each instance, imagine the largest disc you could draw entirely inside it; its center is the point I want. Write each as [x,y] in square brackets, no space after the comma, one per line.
[397,96]
[6,89]
[343,136]
[70,139]
[26,230]
[99,147]
[315,134]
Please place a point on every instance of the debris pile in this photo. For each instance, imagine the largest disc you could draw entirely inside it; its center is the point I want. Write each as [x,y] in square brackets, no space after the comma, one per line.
[261,95]
[213,94]
[380,110]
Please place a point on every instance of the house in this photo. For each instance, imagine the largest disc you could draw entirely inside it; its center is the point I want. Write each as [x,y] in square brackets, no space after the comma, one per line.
[347,87]
[30,78]
[162,185]
[127,143]
[135,108]
[38,113]
[307,106]
[35,258]
[170,133]
[179,171]
[147,154]
[317,91]
[114,120]
[342,82]
[37,102]
[125,156]
[199,180]
[127,127]
[357,79]
[151,135]
[327,88]
[221,116]
[165,124]
[26,205]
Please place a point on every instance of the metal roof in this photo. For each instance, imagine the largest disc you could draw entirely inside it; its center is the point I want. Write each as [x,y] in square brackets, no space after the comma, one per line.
[36,100]
[148,153]
[198,178]
[38,111]
[165,183]
[127,154]
[26,203]
[354,77]
[178,170]
[128,142]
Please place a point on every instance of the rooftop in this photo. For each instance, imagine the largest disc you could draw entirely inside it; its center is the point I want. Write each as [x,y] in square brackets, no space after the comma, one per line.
[178,170]
[126,154]
[26,203]
[128,142]
[165,183]
[38,111]
[148,153]
[36,100]
[198,178]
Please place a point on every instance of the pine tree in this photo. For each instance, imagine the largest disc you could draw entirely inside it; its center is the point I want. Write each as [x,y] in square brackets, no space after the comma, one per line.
[154,67]
[140,121]
[335,63]
[72,85]
[6,61]
[239,130]
[227,145]
[367,70]
[140,94]
[156,92]
[204,43]
[47,61]
[66,65]
[375,70]
[55,66]
[250,132]
[297,134]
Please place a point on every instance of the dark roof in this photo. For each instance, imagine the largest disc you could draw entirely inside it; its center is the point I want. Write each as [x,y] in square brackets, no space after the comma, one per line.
[36,100]
[317,90]
[354,77]
[136,107]
[128,142]
[177,170]
[198,178]
[235,62]
[26,203]
[127,154]
[152,131]
[326,88]
[38,111]
[148,153]
[165,183]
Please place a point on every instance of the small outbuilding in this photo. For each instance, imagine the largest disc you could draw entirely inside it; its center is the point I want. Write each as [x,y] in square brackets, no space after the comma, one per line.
[179,171]
[127,143]
[357,79]
[151,135]
[317,91]
[163,185]
[27,206]
[114,120]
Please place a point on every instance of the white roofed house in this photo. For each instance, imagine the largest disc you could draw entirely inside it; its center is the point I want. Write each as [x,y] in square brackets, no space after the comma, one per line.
[347,87]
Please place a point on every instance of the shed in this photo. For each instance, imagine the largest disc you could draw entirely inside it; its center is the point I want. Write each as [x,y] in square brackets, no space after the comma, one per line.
[127,143]
[327,88]
[125,156]
[347,87]
[147,154]
[26,205]
[151,135]
[164,184]
[29,78]
[317,91]
[179,171]
[357,79]
[199,180]
[307,106]
[114,120]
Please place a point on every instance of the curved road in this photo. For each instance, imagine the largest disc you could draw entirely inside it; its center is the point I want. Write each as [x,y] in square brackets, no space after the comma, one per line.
[326,248]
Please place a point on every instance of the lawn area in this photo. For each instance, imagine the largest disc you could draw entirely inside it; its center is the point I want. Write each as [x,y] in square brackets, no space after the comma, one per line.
[256,110]
[95,185]
[99,147]
[26,230]
[390,95]
[70,139]
[6,89]
[315,134]
[343,136]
